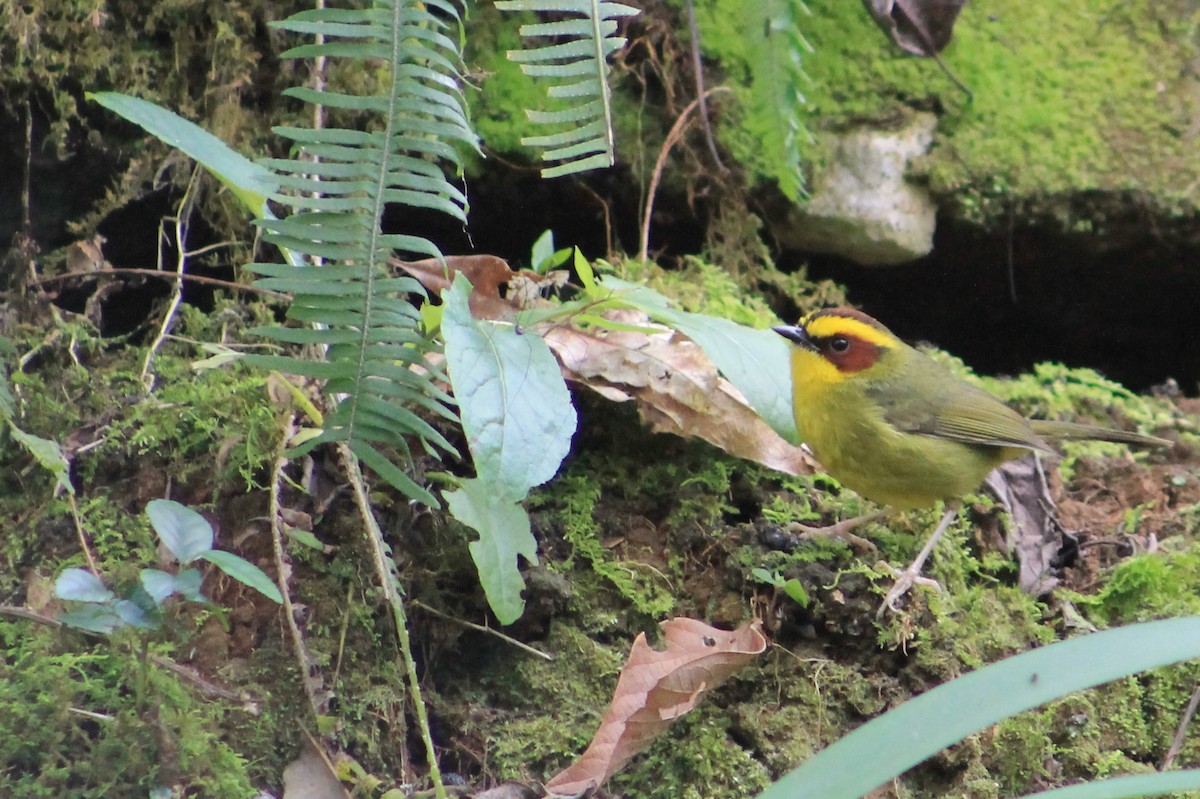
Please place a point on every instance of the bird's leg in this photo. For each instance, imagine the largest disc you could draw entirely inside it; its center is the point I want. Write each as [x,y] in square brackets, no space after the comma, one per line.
[840,530]
[911,576]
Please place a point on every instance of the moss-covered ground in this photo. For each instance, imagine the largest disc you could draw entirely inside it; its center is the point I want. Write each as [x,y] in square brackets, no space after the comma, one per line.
[636,528]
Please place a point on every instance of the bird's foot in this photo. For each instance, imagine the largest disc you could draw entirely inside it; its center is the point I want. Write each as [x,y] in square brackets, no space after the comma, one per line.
[905,580]
[911,576]
[842,530]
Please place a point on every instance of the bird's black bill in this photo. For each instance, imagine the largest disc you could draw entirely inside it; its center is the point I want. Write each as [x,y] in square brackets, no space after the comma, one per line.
[795,334]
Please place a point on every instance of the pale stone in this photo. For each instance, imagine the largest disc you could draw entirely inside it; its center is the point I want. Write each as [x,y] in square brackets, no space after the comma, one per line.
[862,206]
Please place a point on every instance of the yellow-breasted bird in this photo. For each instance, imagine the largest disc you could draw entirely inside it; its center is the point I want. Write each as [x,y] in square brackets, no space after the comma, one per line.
[901,429]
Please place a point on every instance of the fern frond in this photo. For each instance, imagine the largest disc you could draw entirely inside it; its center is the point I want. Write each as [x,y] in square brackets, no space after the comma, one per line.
[375,363]
[777,77]
[578,65]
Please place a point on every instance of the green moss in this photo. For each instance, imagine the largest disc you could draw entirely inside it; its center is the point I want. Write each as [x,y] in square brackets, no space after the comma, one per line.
[1144,587]
[97,720]
[975,626]
[574,508]
[695,759]
[533,741]
[1067,97]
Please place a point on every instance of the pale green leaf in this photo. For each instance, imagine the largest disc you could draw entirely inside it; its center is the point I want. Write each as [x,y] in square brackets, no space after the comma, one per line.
[504,534]
[515,407]
[48,454]
[184,532]
[80,585]
[244,572]
[758,362]
[249,182]
[900,739]
[93,618]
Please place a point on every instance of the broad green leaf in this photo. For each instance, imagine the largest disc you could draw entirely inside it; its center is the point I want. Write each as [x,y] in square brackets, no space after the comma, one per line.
[515,407]
[158,584]
[244,572]
[135,615]
[183,531]
[918,729]
[583,268]
[94,618]
[80,585]
[756,361]
[187,583]
[304,538]
[48,454]
[795,589]
[503,527]
[543,251]
[248,181]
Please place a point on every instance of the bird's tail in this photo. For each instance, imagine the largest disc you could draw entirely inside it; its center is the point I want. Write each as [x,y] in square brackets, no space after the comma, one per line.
[1072,430]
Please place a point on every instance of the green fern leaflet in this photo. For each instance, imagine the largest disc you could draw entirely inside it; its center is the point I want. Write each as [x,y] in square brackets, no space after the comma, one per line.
[337,189]
[576,61]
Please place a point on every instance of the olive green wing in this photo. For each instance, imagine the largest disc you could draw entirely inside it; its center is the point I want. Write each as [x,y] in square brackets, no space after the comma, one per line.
[958,411]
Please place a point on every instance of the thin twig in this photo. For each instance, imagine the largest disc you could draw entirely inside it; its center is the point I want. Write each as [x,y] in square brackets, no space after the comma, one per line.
[1181,731]
[83,541]
[182,215]
[282,570]
[698,69]
[472,625]
[211,281]
[673,136]
[362,500]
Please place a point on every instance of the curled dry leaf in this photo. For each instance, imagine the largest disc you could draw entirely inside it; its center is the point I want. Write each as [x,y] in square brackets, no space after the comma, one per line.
[654,689]
[677,388]
[497,292]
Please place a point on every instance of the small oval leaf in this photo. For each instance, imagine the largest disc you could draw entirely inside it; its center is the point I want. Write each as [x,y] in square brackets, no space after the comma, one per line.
[158,584]
[80,585]
[93,618]
[186,533]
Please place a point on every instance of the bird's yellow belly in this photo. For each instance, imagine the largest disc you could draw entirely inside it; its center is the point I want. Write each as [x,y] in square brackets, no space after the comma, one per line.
[890,467]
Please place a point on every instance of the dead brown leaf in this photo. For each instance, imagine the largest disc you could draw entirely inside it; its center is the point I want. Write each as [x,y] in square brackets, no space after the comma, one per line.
[677,388]
[1035,537]
[654,689]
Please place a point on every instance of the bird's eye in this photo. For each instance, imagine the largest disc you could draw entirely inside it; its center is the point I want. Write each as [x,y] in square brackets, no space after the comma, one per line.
[839,344]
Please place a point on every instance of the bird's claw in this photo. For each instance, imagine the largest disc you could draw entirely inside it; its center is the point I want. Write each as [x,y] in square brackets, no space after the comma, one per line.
[905,580]
[840,530]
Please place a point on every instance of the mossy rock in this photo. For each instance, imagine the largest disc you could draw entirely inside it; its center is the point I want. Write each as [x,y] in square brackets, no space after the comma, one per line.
[1074,99]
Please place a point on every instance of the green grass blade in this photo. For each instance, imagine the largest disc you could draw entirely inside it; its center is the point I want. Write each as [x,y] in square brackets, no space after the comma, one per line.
[918,729]
[1120,787]
[249,182]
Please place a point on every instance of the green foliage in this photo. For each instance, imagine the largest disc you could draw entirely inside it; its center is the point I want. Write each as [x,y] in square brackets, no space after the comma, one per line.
[774,116]
[338,187]
[188,537]
[694,760]
[47,453]
[646,589]
[100,721]
[886,746]
[1147,586]
[582,38]
[1067,97]
[518,419]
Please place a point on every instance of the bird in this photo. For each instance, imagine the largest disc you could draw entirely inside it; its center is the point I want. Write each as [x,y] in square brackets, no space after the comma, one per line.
[900,428]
